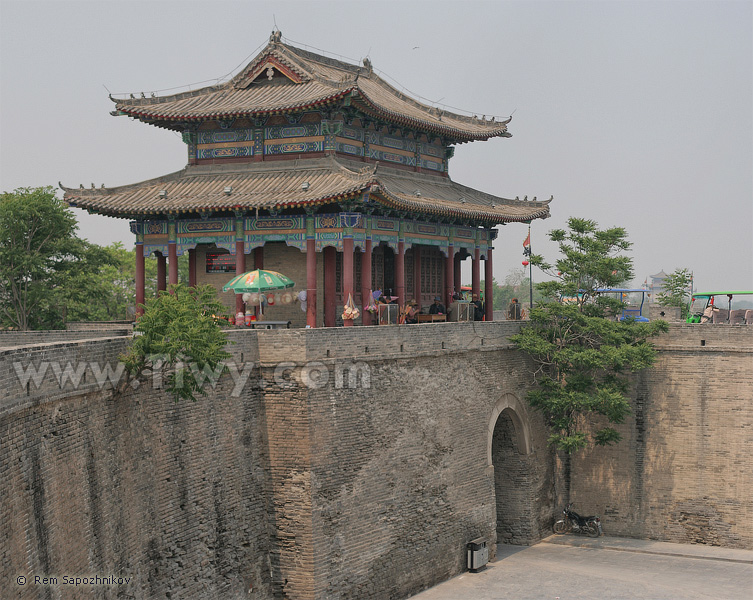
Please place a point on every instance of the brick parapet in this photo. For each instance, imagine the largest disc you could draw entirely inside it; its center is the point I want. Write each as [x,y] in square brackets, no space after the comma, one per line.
[706,338]
[45,372]
[15,339]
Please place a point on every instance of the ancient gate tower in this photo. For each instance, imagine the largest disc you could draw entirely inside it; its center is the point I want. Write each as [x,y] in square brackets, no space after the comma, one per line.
[319,169]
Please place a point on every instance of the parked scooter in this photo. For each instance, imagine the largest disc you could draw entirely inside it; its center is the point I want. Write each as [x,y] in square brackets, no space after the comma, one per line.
[574,523]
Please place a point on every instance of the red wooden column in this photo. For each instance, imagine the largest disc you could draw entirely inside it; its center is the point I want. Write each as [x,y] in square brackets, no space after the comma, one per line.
[457,273]
[330,302]
[310,270]
[449,276]
[417,274]
[172,256]
[192,267]
[258,264]
[311,282]
[240,267]
[172,251]
[488,284]
[366,282]
[140,284]
[161,272]
[400,273]
[347,274]
[240,257]
[476,273]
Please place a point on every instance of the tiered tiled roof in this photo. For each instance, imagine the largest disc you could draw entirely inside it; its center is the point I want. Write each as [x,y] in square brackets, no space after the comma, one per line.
[284,79]
[290,184]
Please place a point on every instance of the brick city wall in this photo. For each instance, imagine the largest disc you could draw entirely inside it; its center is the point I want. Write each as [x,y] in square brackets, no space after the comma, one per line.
[10,339]
[131,485]
[394,462]
[359,467]
[682,472]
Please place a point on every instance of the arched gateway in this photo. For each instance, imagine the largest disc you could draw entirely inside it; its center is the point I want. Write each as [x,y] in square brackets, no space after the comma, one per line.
[517,472]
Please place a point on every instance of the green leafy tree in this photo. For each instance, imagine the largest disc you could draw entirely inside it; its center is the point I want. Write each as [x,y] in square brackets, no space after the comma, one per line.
[38,244]
[179,331]
[582,356]
[100,285]
[677,290]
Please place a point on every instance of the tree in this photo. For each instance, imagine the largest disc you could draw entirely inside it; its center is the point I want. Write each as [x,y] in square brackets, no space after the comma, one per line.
[100,285]
[677,290]
[37,244]
[582,357]
[591,259]
[179,331]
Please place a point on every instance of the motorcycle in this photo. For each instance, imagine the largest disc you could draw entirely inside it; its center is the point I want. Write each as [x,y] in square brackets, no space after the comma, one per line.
[574,523]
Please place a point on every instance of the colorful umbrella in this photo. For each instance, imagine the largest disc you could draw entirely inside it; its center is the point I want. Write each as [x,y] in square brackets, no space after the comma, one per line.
[258,281]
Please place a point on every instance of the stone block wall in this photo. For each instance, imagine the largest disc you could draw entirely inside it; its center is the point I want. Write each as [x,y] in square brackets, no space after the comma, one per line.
[353,463]
[172,495]
[94,325]
[387,474]
[682,472]
[10,339]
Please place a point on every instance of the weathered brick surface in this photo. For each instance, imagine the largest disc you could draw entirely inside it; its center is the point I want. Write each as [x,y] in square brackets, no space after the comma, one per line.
[136,485]
[683,470]
[358,467]
[388,475]
[11,339]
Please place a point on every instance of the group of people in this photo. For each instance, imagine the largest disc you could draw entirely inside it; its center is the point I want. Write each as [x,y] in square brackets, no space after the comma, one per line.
[409,313]
[437,308]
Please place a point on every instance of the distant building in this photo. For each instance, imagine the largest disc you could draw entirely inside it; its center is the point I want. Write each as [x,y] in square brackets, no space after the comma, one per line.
[657,285]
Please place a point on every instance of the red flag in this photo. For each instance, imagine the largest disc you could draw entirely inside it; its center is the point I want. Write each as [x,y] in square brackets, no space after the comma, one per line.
[527,241]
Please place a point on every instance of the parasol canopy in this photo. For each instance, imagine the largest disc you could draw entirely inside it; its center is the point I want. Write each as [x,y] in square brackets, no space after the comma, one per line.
[258,281]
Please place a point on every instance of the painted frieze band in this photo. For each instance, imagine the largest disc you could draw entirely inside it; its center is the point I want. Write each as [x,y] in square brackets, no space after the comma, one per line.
[324,229]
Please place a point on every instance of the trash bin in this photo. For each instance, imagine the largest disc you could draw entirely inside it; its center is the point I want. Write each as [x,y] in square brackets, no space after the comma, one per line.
[477,554]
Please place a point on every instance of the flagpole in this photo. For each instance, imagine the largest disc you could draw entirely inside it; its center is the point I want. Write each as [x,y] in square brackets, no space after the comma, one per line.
[527,254]
[530,272]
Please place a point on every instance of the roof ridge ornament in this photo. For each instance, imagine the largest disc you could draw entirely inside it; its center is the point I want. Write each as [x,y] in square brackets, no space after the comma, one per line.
[276,36]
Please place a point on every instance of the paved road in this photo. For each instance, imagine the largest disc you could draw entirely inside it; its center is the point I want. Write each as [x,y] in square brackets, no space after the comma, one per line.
[576,568]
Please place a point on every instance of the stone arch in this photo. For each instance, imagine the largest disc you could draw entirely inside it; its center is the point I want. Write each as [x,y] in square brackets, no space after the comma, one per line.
[512,408]
[515,474]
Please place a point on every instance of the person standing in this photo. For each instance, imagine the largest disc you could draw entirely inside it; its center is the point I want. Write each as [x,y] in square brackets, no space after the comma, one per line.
[513,310]
[478,308]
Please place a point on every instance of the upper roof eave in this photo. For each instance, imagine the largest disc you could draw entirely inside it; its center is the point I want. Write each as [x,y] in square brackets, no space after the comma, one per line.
[317,71]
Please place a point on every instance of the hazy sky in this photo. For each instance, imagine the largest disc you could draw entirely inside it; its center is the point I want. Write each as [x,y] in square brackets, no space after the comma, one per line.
[637,114]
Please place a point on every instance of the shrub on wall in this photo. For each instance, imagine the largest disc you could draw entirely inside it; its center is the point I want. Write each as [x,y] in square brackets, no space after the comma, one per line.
[180,331]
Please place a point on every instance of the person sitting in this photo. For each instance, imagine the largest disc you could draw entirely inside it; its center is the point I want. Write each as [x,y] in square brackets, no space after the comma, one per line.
[410,313]
[437,308]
